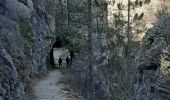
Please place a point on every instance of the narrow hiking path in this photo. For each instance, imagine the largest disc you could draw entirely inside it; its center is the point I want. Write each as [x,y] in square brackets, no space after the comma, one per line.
[53,87]
[56,86]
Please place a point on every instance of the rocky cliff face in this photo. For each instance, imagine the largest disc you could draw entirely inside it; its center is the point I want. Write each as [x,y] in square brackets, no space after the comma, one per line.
[153,62]
[24,44]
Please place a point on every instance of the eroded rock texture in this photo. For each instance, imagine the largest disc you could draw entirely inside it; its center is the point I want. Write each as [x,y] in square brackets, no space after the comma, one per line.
[153,62]
[24,44]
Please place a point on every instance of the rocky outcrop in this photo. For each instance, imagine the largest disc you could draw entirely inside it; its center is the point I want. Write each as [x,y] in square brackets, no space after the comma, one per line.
[8,74]
[25,42]
[11,41]
[153,62]
[16,10]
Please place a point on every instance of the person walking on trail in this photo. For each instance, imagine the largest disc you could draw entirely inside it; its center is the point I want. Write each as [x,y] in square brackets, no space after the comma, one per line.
[72,55]
[68,61]
[60,62]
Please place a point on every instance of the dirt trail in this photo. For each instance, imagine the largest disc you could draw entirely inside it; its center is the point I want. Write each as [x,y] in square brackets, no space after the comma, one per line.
[50,88]
[56,85]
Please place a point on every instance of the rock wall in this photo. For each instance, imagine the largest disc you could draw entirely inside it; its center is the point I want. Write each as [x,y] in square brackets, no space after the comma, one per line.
[25,41]
[153,64]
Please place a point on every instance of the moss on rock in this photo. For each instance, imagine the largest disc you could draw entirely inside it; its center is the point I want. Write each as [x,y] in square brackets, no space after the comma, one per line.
[26,30]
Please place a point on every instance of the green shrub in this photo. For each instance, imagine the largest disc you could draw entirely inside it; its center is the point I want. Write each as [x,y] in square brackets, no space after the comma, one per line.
[97,3]
[66,37]
[75,8]
[74,47]
[101,4]
[138,17]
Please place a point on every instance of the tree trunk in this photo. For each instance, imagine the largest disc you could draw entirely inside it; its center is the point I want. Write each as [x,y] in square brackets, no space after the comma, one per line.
[90,56]
[128,30]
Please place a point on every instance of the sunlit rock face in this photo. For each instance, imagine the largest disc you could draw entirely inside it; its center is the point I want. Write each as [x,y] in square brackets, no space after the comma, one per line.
[153,63]
[24,46]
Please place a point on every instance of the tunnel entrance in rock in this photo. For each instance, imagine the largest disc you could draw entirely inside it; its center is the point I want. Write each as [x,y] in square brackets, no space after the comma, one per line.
[58,43]
[59,50]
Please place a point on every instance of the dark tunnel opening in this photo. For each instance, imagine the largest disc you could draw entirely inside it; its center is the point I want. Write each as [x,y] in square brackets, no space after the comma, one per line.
[59,43]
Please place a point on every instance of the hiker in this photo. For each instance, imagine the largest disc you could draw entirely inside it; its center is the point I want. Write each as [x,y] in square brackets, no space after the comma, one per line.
[72,55]
[60,62]
[68,61]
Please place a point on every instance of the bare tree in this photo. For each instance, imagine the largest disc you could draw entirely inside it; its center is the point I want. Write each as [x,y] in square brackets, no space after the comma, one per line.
[90,56]
[128,30]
